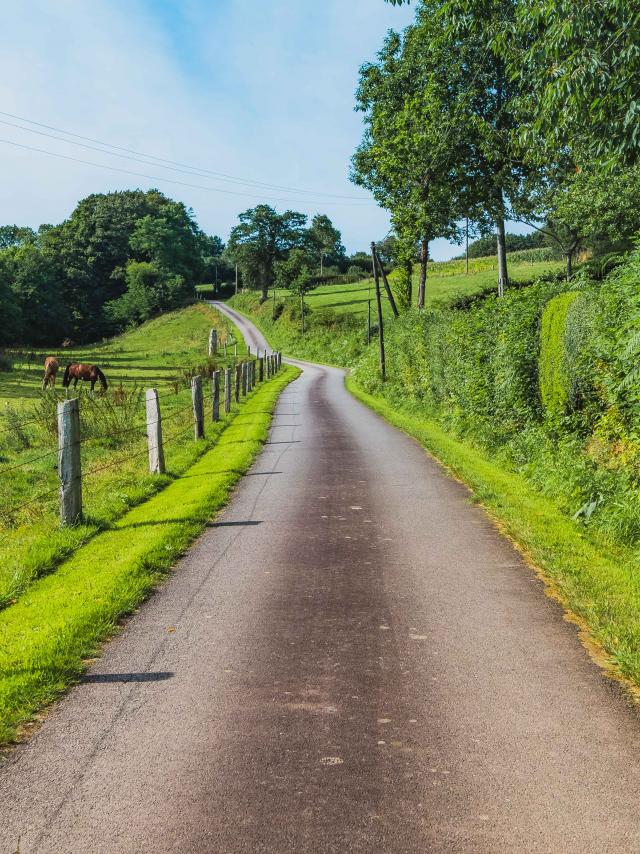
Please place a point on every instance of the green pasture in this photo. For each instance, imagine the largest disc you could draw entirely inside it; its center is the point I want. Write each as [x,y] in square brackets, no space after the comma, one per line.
[446,280]
[151,355]
[163,353]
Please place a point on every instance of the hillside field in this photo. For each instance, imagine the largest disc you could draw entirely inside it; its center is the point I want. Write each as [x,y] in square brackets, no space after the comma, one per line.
[163,353]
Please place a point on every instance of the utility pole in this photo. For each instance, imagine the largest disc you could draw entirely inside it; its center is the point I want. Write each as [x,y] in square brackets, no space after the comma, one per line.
[383,373]
[385,282]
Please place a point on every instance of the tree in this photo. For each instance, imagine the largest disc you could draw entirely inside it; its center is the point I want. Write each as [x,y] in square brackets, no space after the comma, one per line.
[170,240]
[15,235]
[294,274]
[404,159]
[325,240]
[92,249]
[588,207]
[11,326]
[37,290]
[151,289]
[582,67]
[263,237]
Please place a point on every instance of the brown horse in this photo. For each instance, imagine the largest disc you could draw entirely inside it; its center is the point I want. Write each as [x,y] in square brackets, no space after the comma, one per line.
[51,365]
[91,373]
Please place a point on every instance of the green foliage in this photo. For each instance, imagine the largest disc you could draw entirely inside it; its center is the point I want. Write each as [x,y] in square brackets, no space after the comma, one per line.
[581,63]
[486,245]
[263,237]
[63,281]
[554,372]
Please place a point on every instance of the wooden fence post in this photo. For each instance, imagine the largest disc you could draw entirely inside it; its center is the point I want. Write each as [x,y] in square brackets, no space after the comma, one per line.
[69,467]
[215,396]
[213,342]
[244,379]
[235,349]
[279,359]
[198,407]
[238,382]
[261,369]
[154,432]
[228,381]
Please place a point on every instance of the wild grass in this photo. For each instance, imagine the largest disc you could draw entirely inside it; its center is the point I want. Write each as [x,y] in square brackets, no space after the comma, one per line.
[47,635]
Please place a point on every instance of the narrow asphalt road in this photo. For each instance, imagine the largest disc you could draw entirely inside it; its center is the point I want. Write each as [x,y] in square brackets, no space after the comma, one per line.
[350,659]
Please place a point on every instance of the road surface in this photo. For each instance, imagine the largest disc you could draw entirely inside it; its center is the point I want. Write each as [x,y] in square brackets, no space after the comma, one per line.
[351,659]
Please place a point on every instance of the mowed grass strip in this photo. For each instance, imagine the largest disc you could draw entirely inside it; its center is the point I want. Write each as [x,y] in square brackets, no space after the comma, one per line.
[60,621]
[597,581]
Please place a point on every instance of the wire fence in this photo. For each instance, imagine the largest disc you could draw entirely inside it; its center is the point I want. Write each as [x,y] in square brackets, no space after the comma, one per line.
[244,377]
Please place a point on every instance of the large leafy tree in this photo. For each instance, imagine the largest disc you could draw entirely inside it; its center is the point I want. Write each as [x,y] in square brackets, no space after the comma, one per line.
[588,207]
[261,238]
[404,159]
[582,67]
[325,241]
[92,249]
[454,105]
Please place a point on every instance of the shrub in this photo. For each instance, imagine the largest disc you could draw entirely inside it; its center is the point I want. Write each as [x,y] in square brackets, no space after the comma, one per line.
[555,380]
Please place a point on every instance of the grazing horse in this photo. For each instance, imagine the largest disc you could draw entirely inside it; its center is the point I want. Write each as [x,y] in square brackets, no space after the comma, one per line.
[91,373]
[51,365]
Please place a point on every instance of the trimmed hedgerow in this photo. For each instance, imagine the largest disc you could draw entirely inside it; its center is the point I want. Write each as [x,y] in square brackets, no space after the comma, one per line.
[554,373]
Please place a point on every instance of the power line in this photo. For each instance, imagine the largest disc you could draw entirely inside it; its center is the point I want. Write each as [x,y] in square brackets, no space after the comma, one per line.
[168,180]
[170,164]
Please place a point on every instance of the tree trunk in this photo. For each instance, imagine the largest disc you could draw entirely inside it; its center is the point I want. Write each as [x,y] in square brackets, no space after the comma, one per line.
[466,252]
[302,311]
[424,255]
[321,262]
[569,264]
[503,278]
[409,269]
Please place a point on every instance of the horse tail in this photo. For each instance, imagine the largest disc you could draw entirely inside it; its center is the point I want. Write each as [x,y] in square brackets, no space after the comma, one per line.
[66,378]
[102,378]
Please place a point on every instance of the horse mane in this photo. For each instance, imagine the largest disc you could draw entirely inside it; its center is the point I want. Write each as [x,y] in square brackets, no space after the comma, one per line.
[102,378]
[65,379]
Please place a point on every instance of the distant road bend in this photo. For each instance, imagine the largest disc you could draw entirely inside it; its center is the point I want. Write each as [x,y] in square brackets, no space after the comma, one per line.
[360,663]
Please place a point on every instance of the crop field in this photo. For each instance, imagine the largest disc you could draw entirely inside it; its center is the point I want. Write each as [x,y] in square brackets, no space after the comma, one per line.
[164,353]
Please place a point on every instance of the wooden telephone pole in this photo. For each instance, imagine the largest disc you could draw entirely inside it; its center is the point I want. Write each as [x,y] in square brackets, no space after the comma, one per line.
[376,278]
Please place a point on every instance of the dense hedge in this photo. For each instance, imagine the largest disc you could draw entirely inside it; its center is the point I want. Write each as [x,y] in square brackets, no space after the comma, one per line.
[480,370]
[554,369]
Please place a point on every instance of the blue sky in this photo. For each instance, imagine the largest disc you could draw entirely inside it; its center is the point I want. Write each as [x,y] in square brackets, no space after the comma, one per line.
[257,89]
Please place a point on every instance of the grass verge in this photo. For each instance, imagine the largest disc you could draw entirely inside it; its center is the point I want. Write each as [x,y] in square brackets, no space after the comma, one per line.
[61,619]
[598,582]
